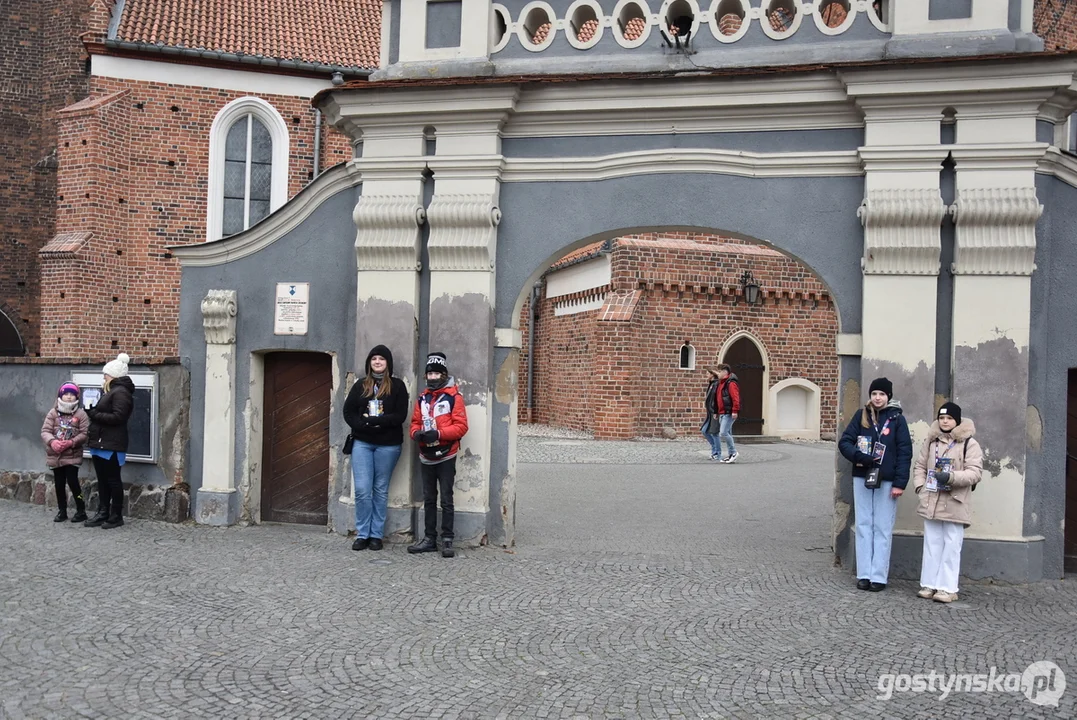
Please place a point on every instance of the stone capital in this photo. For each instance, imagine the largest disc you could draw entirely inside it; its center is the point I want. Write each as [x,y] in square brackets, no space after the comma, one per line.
[219,317]
[995,231]
[463,231]
[901,231]
[388,237]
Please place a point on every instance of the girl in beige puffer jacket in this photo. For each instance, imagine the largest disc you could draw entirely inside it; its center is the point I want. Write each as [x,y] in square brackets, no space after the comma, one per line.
[948,468]
[64,433]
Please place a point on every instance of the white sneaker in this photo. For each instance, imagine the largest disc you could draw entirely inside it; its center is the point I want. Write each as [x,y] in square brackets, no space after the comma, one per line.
[731,459]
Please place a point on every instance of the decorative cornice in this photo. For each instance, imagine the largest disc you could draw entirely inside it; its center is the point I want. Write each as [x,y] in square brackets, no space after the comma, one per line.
[1059,165]
[388,237]
[267,232]
[219,317]
[463,231]
[996,231]
[901,231]
[682,160]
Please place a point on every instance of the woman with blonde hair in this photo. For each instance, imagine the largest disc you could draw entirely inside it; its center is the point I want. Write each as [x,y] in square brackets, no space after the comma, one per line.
[375,410]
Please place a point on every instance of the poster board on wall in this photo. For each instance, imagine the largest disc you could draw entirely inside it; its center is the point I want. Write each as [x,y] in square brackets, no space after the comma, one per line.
[142,427]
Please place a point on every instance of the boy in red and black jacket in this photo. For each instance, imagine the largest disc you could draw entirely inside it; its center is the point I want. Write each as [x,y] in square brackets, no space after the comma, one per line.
[437,424]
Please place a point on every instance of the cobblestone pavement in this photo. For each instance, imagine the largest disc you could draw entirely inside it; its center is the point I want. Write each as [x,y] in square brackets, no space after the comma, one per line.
[690,590]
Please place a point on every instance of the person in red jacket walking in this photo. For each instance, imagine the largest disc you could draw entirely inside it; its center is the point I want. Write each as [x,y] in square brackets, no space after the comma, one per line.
[437,424]
[727,399]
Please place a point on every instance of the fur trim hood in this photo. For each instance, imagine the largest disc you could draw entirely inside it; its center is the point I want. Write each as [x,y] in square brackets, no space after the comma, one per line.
[961,433]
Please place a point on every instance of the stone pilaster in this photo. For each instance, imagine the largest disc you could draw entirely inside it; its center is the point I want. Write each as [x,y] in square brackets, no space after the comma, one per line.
[995,214]
[217,502]
[902,214]
[389,218]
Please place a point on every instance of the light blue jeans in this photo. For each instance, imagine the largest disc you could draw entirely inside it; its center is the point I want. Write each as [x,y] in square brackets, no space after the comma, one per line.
[372,467]
[725,432]
[716,444]
[875,513]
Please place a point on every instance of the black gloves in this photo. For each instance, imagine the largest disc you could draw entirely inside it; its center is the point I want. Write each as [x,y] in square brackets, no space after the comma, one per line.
[862,458]
[428,436]
[942,478]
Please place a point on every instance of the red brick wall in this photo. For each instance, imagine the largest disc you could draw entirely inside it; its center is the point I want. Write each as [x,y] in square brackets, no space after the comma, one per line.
[629,369]
[42,69]
[564,378]
[158,199]
[1056,22]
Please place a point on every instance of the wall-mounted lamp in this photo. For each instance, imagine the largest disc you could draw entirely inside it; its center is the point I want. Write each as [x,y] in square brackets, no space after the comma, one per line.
[750,289]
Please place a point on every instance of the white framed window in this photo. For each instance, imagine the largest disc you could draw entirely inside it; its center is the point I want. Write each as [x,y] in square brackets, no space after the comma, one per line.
[687,356]
[248,166]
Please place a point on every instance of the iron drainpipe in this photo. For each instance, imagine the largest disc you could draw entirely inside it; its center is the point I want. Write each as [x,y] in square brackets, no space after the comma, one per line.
[317,141]
[535,290]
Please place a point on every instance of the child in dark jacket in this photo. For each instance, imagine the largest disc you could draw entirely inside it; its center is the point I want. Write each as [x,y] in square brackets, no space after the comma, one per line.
[64,433]
[437,424]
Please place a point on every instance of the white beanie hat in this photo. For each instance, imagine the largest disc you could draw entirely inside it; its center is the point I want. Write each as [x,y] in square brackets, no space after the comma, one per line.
[117,368]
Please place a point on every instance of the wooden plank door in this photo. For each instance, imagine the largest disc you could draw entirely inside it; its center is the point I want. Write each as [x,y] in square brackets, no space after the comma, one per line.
[295,446]
[1070,541]
[747,364]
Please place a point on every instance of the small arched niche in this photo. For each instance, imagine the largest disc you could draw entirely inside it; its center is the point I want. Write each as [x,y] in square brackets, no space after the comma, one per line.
[795,404]
[686,356]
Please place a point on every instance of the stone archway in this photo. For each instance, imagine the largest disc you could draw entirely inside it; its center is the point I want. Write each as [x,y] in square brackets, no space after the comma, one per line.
[611,374]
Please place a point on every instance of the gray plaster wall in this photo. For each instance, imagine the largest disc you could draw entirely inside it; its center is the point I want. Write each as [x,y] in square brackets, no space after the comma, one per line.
[321,251]
[949,9]
[29,391]
[1052,352]
[443,24]
[811,219]
[777,141]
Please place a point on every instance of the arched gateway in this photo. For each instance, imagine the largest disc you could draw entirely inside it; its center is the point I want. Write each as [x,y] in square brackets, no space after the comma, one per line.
[464,190]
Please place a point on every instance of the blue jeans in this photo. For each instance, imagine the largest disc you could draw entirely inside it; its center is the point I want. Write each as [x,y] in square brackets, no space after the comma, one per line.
[725,432]
[372,467]
[875,513]
[716,444]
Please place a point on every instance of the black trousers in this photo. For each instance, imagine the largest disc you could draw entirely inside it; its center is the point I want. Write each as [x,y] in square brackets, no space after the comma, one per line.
[109,485]
[67,476]
[438,477]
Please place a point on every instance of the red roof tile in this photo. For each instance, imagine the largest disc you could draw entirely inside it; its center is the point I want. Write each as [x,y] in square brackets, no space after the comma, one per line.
[330,32]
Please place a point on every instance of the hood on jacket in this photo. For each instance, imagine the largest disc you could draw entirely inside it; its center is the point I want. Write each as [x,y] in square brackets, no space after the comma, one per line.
[385,353]
[124,381]
[960,434]
[894,405]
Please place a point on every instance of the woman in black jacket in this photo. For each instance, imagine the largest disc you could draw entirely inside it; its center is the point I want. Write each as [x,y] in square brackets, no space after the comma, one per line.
[878,444]
[711,425]
[375,410]
[108,441]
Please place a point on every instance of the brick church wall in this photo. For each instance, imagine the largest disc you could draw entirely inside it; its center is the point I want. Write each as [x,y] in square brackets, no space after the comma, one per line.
[152,197]
[42,69]
[618,375]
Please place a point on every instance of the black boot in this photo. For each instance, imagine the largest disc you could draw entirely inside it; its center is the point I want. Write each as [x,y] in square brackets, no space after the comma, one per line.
[446,548]
[427,544]
[114,521]
[61,515]
[98,519]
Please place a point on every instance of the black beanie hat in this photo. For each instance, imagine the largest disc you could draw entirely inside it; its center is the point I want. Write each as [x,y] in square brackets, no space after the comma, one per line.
[882,384]
[435,362]
[385,353]
[953,410]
